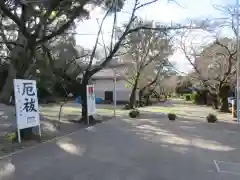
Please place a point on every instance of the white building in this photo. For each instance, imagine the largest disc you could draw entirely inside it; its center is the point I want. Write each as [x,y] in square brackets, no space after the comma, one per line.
[104,85]
[104,80]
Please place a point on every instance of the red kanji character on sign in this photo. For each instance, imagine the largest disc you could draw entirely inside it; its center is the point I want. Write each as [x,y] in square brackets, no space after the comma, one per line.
[90,90]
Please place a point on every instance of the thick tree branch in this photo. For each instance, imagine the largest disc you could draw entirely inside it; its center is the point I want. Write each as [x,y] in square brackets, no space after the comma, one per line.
[164,30]
[11,43]
[152,82]
[114,24]
[15,19]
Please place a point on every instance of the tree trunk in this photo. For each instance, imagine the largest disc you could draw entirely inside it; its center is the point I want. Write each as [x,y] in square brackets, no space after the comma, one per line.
[16,54]
[3,75]
[148,97]
[205,92]
[208,98]
[224,104]
[223,97]
[7,89]
[141,98]
[84,101]
[214,100]
[132,100]
[148,100]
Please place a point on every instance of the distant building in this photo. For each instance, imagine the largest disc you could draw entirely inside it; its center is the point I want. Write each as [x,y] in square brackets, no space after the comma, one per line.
[104,79]
[104,82]
[104,86]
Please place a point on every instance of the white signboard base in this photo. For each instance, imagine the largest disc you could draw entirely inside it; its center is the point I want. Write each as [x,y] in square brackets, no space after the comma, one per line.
[91,102]
[26,103]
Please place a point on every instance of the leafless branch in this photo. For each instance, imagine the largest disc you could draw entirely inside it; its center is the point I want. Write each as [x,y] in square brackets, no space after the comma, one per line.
[104,45]
[97,39]
[118,43]
[146,4]
[187,56]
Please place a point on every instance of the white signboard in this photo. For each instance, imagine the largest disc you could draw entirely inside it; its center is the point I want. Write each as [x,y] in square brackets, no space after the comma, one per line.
[91,102]
[26,102]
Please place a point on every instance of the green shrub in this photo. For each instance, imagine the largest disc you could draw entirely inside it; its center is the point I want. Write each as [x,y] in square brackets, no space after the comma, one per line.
[172,116]
[12,137]
[211,118]
[134,113]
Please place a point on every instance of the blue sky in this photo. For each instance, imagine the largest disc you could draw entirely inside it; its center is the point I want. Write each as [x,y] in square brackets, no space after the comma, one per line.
[161,12]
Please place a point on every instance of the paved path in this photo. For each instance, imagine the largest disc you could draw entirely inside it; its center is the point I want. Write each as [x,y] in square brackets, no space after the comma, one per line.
[149,148]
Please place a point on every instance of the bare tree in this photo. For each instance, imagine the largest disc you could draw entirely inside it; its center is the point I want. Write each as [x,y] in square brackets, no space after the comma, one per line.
[143,48]
[169,82]
[161,71]
[213,64]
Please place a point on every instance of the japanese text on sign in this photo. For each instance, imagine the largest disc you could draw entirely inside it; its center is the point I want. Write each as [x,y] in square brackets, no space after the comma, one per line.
[26,103]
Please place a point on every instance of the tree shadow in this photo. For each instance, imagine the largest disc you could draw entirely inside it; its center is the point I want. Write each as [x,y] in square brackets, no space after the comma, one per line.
[193,132]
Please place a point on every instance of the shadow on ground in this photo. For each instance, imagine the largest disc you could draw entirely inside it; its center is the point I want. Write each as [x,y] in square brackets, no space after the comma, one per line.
[150,147]
[185,135]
